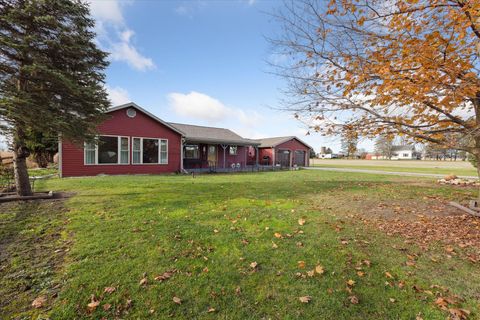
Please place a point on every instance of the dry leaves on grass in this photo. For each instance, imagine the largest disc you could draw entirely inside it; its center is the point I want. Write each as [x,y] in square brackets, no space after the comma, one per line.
[177,300]
[301,221]
[109,289]
[94,303]
[39,302]
[164,276]
[305,299]
[460,230]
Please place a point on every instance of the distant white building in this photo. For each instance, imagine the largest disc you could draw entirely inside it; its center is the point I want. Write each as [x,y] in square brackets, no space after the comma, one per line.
[404,153]
[398,153]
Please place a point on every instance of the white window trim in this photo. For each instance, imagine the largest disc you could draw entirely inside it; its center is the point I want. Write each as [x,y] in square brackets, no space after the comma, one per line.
[119,149]
[159,151]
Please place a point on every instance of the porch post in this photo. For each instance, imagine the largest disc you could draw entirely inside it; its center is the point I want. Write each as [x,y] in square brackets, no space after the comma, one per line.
[246,154]
[181,154]
[273,157]
[256,156]
[224,146]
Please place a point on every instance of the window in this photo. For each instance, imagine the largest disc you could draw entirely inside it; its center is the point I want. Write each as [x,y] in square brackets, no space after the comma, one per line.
[124,150]
[163,151]
[136,150]
[107,150]
[232,150]
[405,155]
[191,151]
[149,150]
[90,153]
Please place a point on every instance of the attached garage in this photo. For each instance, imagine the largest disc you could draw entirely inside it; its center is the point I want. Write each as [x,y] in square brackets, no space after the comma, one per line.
[284,152]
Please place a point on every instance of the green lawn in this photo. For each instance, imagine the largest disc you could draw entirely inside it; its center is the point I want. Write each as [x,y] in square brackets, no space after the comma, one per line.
[125,231]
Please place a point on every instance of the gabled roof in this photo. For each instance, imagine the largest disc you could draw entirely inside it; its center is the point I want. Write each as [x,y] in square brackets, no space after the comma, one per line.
[134,105]
[194,133]
[403,148]
[275,141]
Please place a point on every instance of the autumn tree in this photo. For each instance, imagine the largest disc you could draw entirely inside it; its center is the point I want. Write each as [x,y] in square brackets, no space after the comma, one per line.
[349,143]
[51,75]
[384,147]
[404,68]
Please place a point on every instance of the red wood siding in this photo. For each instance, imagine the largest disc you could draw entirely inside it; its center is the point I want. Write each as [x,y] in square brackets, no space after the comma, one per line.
[119,124]
[262,152]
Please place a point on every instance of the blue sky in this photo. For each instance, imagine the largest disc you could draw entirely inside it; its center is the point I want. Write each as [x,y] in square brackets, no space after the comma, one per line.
[198,62]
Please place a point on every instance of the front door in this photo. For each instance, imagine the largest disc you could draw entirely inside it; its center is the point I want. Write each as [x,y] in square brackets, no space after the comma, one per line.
[212,155]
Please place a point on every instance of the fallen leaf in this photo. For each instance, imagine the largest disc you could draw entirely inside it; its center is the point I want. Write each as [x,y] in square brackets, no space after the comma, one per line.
[144,281]
[311,273]
[388,275]
[301,264]
[215,231]
[164,276]
[93,303]
[109,289]
[392,300]
[319,269]
[39,302]
[301,221]
[351,283]
[177,300]
[253,265]
[360,273]
[460,314]
[274,245]
[353,299]
[107,306]
[305,299]
[277,235]
[211,309]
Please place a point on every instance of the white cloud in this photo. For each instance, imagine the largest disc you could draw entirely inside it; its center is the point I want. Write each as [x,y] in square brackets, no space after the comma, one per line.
[115,36]
[117,95]
[203,107]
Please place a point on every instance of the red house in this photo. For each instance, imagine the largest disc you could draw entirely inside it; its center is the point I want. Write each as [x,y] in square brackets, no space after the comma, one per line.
[134,141]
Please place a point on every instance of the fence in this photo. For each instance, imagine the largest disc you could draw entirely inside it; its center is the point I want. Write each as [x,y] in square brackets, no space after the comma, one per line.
[7,181]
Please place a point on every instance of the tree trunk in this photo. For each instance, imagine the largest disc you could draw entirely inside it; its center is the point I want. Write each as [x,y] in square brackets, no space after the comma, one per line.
[22,181]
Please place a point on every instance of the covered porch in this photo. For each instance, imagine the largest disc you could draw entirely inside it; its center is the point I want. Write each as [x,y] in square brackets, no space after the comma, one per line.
[224,156]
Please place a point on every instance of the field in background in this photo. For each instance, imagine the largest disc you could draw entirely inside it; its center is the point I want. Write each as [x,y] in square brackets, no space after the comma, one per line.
[463,168]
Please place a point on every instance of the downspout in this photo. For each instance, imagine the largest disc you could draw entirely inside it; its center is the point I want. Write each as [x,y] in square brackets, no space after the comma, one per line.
[60,163]
[182,140]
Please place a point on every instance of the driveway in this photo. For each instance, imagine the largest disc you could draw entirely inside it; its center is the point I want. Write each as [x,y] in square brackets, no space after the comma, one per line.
[393,173]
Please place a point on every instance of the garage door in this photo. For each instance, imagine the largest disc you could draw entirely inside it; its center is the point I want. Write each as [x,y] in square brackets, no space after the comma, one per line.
[299,159]
[283,158]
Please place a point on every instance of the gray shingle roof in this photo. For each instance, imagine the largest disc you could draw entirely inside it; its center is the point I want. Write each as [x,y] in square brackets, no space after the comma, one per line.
[195,133]
[275,141]
[403,148]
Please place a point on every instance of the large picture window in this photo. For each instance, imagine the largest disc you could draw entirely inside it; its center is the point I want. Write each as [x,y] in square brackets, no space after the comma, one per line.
[150,150]
[107,150]
[191,151]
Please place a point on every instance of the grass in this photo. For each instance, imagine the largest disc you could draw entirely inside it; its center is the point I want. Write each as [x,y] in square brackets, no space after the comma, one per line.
[209,230]
[439,167]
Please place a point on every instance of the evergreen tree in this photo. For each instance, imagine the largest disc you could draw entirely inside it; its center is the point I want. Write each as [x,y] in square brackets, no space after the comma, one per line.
[51,75]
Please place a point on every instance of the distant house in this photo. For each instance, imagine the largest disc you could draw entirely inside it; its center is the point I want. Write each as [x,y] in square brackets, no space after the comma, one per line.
[284,152]
[133,141]
[404,153]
